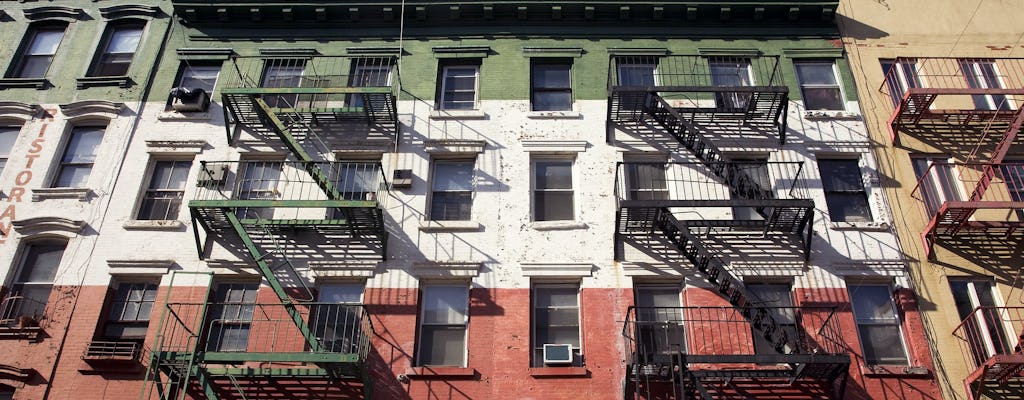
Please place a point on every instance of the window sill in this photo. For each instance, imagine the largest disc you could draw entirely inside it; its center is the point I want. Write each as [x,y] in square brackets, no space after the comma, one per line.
[557,225]
[554,115]
[180,116]
[831,115]
[21,332]
[80,194]
[99,81]
[154,225]
[450,226]
[428,373]
[24,83]
[559,372]
[457,114]
[859,226]
[886,371]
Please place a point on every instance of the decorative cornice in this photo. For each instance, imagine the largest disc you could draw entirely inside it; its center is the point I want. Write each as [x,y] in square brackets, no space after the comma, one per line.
[15,373]
[343,269]
[18,110]
[204,54]
[719,51]
[80,194]
[122,82]
[297,52]
[573,52]
[567,269]
[555,146]
[33,226]
[129,10]
[24,83]
[825,52]
[461,51]
[225,267]
[463,146]
[176,146]
[374,51]
[624,51]
[92,107]
[139,267]
[447,269]
[59,12]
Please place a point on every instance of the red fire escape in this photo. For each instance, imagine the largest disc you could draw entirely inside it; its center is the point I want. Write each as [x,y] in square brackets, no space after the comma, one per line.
[962,102]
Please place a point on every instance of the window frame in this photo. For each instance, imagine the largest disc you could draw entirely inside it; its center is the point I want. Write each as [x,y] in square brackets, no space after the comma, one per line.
[648,324]
[788,320]
[838,86]
[188,65]
[945,184]
[62,164]
[21,60]
[535,90]
[537,348]
[359,76]
[732,101]
[245,185]
[109,321]
[222,306]
[148,191]
[470,194]
[103,51]
[641,187]
[5,151]
[324,327]
[422,324]
[981,320]
[906,78]
[983,73]
[830,193]
[895,323]
[273,68]
[19,281]
[443,86]
[534,190]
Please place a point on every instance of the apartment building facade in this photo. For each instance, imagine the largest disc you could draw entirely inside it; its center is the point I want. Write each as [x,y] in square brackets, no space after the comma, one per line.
[470,200]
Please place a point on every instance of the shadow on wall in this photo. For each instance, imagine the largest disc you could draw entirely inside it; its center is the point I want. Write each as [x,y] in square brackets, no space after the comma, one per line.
[858,30]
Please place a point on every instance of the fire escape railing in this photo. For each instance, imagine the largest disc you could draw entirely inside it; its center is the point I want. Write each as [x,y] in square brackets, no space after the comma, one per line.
[954,197]
[990,341]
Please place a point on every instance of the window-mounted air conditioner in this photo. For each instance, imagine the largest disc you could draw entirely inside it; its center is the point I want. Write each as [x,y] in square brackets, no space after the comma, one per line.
[557,354]
[212,175]
[189,99]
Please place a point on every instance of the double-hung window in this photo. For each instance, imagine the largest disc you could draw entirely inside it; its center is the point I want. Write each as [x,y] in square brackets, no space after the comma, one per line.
[819,85]
[878,324]
[118,49]
[731,72]
[645,180]
[551,85]
[8,135]
[260,180]
[231,316]
[443,325]
[337,319]
[162,199]
[552,190]
[984,74]
[900,75]
[79,155]
[459,87]
[980,319]
[556,320]
[659,323]
[33,282]
[845,195]
[778,299]
[638,72]
[451,197]
[41,45]
[130,311]
[368,72]
[283,73]
[937,180]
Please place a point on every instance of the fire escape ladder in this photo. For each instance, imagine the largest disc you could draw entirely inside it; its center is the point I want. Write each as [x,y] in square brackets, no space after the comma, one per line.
[712,267]
[381,108]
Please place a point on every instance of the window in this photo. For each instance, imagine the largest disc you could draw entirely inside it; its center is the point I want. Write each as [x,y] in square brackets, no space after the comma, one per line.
[38,51]
[749,176]
[337,320]
[551,85]
[231,316]
[130,311]
[900,75]
[984,74]
[877,324]
[556,319]
[937,180]
[119,47]
[636,72]
[819,85]
[987,336]
[778,298]
[552,190]
[459,85]
[646,181]
[844,190]
[166,189]
[358,179]
[283,73]
[260,180]
[731,73]
[659,323]
[198,75]
[79,156]
[8,135]
[443,325]
[32,284]
[368,72]
[451,197]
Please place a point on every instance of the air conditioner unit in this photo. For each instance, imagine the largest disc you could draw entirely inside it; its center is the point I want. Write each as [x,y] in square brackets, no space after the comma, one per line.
[211,176]
[557,354]
[189,100]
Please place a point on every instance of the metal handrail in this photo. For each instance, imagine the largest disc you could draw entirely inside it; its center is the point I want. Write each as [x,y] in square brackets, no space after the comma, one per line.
[698,180]
[694,71]
[292,180]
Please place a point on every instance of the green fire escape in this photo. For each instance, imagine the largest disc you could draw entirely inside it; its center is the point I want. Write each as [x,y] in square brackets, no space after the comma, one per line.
[264,210]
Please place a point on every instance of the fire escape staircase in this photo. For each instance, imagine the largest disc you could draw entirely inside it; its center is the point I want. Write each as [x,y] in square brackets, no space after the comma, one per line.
[778,216]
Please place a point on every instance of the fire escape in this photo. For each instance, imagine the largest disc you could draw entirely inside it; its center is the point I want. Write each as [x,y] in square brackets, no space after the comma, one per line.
[274,212]
[706,352]
[972,107]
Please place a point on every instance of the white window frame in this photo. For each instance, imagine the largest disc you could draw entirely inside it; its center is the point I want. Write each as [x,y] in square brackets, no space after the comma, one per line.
[534,190]
[5,151]
[534,90]
[838,85]
[434,191]
[902,82]
[976,72]
[939,185]
[537,348]
[360,72]
[34,31]
[1006,325]
[61,164]
[422,323]
[148,190]
[189,71]
[622,65]
[895,322]
[444,86]
[854,158]
[104,54]
[734,100]
[18,283]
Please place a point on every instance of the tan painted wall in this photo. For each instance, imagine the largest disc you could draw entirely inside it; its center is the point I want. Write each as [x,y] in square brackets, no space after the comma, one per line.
[885,29]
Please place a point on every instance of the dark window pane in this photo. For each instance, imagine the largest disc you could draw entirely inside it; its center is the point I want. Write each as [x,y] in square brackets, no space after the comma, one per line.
[822,99]
[848,207]
[552,101]
[443,345]
[553,206]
